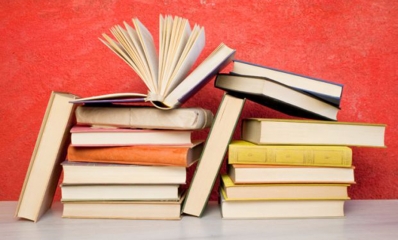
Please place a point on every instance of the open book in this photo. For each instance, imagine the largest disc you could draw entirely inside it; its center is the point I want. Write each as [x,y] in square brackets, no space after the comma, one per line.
[165,75]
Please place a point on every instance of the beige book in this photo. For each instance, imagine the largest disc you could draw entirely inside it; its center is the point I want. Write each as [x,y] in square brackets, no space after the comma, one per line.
[145,117]
[44,170]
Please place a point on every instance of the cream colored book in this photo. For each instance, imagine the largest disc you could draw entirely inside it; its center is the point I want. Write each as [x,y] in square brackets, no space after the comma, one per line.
[312,132]
[145,117]
[283,191]
[44,170]
[241,174]
[167,74]
[119,192]
[144,210]
[260,209]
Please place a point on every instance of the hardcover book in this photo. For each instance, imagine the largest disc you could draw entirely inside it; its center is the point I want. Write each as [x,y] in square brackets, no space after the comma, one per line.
[277,96]
[102,173]
[326,90]
[145,117]
[92,136]
[312,132]
[160,155]
[216,145]
[44,170]
[166,75]
[259,209]
[283,191]
[243,174]
[243,152]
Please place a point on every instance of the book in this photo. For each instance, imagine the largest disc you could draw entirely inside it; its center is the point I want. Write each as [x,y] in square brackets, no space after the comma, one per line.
[327,90]
[241,174]
[119,192]
[42,176]
[243,152]
[92,136]
[260,209]
[312,132]
[216,145]
[277,96]
[145,117]
[102,173]
[165,75]
[166,155]
[282,191]
[145,210]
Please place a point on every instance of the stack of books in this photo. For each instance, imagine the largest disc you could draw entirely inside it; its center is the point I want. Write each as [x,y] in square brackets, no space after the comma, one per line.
[130,162]
[280,168]
[290,168]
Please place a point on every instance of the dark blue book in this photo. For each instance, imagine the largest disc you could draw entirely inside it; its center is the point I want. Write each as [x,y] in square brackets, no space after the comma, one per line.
[326,90]
[277,96]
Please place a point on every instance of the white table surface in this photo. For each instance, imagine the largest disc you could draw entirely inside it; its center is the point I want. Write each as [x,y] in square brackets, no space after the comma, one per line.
[365,219]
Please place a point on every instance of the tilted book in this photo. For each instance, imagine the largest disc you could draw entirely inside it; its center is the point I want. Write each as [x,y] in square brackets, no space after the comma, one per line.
[326,90]
[44,170]
[167,75]
[278,96]
[213,154]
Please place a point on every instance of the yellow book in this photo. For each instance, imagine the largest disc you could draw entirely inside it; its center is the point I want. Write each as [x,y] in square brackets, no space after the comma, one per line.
[243,152]
[283,191]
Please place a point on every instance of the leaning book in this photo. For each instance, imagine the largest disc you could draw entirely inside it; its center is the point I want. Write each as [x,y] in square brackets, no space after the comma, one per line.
[44,170]
[167,75]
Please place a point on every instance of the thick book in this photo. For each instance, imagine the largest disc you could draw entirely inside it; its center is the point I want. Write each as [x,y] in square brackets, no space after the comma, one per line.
[327,90]
[282,191]
[213,154]
[44,170]
[244,152]
[143,210]
[312,132]
[94,136]
[167,75]
[260,209]
[277,96]
[119,192]
[242,174]
[145,117]
[166,155]
[102,173]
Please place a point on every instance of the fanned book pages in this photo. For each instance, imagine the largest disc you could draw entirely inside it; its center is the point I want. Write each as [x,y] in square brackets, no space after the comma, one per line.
[167,74]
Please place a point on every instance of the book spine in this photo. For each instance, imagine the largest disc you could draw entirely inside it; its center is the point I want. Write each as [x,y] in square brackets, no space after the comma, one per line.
[291,155]
[140,155]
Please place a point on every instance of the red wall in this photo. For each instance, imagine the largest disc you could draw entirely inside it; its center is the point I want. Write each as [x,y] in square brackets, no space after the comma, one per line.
[53,45]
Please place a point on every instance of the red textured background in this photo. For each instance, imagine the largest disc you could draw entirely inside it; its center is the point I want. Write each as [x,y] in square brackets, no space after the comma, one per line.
[53,45]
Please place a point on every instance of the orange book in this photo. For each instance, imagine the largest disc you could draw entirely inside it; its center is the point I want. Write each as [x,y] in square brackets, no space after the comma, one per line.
[167,155]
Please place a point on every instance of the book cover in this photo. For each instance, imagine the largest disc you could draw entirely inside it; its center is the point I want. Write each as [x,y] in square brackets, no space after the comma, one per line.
[145,117]
[243,152]
[326,90]
[243,174]
[160,155]
[277,96]
[283,191]
[97,136]
[216,145]
[312,132]
[44,170]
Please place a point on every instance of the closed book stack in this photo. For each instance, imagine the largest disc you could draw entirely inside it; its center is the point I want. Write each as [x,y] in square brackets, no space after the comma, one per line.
[130,162]
[290,168]
[293,168]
